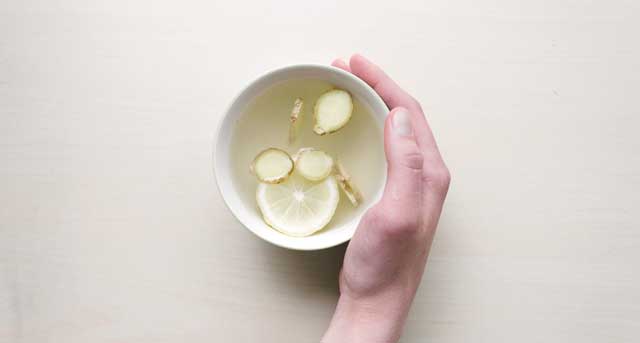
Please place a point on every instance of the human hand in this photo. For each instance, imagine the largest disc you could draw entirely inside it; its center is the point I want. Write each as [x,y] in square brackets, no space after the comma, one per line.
[385,259]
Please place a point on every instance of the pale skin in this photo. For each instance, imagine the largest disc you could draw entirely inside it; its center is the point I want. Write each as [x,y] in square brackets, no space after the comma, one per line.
[385,260]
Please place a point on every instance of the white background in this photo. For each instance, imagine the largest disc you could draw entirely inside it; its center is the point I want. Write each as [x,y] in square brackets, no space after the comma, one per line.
[112,229]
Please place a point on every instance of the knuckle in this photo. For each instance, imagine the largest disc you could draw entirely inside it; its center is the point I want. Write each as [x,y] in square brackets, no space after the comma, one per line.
[439,178]
[390,224]
[401,226]
[444,177]
[413,160]
[374,217]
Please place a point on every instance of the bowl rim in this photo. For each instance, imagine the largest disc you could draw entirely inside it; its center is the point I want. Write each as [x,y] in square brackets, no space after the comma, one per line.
[379,103]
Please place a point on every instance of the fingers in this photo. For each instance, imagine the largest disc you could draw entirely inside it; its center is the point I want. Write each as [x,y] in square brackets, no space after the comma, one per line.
[403,192]
[395,96]
[340,63]
[434,171]
[388,90]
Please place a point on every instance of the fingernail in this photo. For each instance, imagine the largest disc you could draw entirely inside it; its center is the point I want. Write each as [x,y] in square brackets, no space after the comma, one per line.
[402,122]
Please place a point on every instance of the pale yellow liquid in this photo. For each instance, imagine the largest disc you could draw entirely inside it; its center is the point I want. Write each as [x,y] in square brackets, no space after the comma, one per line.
[265,124]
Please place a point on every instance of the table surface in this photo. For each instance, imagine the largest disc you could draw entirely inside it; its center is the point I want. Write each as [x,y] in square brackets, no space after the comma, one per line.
[112,229]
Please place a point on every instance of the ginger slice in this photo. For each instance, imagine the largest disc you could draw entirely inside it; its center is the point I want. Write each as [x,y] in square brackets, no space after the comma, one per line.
[295,119]
[313,164]
[332,111]
[347,185]
[272,166]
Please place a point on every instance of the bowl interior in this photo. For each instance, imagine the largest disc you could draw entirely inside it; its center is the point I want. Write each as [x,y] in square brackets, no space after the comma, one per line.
[245,209]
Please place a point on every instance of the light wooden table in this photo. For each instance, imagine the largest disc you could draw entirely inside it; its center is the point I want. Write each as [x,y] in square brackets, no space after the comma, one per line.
[112,229]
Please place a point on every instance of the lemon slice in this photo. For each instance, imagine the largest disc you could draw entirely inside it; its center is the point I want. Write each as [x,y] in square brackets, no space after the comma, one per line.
[298,207]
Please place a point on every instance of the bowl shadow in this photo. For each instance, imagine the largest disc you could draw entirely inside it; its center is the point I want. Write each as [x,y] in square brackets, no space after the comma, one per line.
[305,272]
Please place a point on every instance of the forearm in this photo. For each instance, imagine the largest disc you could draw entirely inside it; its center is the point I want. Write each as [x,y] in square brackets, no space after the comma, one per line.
[378,320]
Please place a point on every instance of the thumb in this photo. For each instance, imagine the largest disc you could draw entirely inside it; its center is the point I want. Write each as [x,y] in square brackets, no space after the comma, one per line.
[403,191]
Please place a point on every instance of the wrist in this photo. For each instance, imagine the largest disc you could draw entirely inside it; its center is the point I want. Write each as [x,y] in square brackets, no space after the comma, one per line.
[377,319]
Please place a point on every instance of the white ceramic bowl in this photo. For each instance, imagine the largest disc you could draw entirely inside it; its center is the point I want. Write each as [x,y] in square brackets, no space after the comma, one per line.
[245,212]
